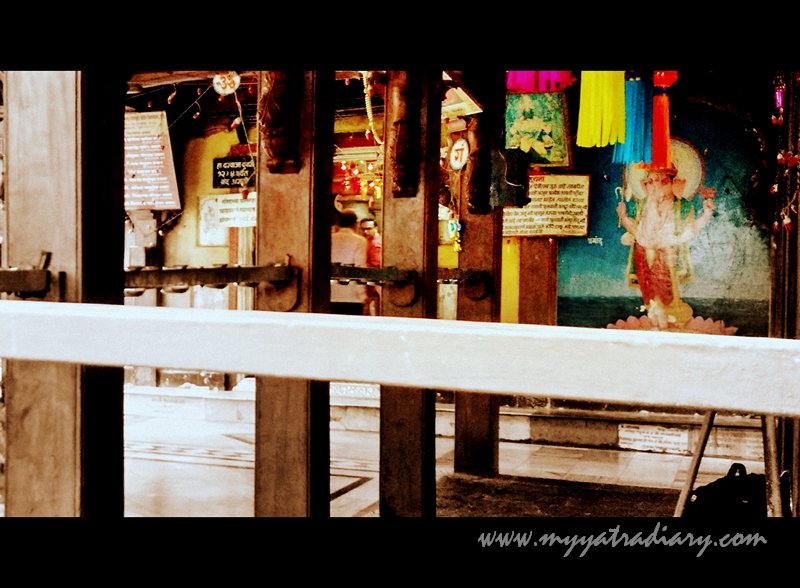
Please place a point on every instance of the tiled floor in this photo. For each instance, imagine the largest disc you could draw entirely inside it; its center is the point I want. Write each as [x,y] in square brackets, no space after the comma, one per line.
[191,467]
[207,470]
[628,468]
[625,468]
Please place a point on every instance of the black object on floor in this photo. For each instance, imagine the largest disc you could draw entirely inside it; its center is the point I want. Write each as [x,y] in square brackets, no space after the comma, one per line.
[735,495]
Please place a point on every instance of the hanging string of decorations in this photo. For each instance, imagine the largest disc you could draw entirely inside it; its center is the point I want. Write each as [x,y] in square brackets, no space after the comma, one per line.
[629,111]
[227,85]
[359,178]
[637,148]
[365,78]
[787,160]
[538,81]
[601,118]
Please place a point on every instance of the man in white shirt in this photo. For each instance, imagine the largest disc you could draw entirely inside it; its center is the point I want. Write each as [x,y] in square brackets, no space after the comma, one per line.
[348,247]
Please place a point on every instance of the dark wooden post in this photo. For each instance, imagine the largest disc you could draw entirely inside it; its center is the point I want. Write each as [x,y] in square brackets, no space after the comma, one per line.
[413,123]
[538,280]
[64,195]
[295,176]
[477,418]
[784,304]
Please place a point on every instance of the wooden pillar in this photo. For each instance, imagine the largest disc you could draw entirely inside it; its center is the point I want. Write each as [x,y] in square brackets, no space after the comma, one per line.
[538,280]
[64,195]
[410,240]
[292,459]
[477,418]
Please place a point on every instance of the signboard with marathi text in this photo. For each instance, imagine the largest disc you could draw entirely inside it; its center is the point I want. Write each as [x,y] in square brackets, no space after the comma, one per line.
[234,172]
[150,182]
[653,438]
[459,154]
[559,207]
[234,210]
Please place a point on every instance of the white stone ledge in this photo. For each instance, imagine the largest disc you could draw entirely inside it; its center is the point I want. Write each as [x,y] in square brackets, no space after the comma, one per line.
[702,372]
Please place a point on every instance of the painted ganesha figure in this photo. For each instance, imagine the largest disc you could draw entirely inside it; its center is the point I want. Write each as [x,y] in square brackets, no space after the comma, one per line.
[659,233]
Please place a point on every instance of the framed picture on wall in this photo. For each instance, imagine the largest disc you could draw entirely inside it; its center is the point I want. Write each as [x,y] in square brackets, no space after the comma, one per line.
[538,124]
[210,233]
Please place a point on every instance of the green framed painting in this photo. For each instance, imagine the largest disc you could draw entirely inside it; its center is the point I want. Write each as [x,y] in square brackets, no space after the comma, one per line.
[538,124]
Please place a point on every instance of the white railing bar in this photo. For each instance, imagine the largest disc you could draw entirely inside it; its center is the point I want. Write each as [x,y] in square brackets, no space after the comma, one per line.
[726,373]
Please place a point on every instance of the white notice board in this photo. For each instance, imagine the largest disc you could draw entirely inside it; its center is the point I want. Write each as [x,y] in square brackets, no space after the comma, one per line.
[559,207]
[234,210]
[653,438]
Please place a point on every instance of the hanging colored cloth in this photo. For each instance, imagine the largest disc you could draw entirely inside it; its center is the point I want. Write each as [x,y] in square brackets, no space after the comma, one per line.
[528,82]
[601,118]
[638,123]
[662,156]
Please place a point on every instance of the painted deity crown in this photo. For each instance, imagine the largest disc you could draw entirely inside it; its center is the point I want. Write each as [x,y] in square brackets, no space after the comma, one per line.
[671,170]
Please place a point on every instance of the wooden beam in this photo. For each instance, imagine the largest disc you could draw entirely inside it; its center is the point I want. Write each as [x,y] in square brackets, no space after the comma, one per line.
[407,434]
[293,415]
[477,417]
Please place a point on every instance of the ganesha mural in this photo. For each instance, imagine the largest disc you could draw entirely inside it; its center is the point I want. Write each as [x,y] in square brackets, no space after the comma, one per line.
[672,249]
[658,234]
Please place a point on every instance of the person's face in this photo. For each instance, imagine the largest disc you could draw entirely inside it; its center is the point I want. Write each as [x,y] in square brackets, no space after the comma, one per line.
[658,186]
[368,229]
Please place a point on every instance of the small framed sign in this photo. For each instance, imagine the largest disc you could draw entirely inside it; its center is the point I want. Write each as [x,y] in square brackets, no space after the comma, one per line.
[226,83]
[234,172]
[459,154]
[210,233]
[237,210]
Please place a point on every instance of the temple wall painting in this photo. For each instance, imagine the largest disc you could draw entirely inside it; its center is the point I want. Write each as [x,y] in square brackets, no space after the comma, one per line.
[704,269]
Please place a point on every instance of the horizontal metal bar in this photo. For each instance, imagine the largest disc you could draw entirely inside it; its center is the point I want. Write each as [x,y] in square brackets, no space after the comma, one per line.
[744,375]
[208,276]
[24,280]
[462,275]
[378,275]
[178,278]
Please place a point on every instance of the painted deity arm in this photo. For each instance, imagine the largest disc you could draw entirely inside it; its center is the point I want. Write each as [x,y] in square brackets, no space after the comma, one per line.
[624,219]
[693,227]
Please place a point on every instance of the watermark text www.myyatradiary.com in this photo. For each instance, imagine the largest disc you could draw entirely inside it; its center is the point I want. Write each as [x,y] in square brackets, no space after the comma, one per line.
[581,544]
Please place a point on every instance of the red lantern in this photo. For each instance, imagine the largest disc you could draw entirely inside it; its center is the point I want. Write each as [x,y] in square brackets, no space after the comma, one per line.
[662,156]
[664,79]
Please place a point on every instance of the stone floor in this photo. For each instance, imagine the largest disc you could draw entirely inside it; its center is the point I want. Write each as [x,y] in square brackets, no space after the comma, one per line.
[190,467]
[178,464]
